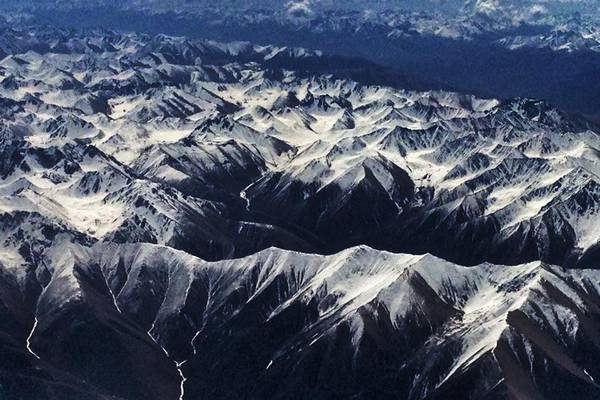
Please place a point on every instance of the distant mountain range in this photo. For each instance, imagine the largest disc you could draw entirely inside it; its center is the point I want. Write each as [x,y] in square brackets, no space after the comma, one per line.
[559,25]
[502,49]
[453,6]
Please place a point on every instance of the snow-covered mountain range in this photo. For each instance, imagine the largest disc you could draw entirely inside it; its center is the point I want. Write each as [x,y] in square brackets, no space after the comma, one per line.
[504,21]
[544,49]
[147,184]
[142,321]
[124,137]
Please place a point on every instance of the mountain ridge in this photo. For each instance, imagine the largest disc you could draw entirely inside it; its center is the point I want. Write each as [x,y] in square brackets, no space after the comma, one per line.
[306,301]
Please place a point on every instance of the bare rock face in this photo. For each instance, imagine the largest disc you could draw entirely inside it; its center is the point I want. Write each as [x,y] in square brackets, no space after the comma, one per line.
[145,321]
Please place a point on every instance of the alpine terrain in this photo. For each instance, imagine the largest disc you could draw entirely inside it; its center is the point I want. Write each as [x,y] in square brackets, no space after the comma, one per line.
[190,219]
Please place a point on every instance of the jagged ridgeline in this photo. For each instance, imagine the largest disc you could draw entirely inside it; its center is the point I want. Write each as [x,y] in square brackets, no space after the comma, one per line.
[141,321]
[502,48]
[129,159]
[222,150]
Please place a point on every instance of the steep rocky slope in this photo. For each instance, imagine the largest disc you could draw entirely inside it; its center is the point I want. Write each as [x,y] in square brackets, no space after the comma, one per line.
[144,321]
